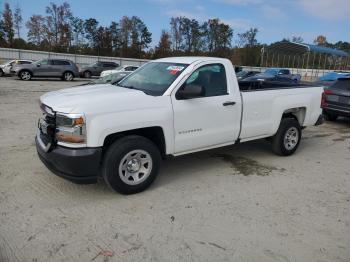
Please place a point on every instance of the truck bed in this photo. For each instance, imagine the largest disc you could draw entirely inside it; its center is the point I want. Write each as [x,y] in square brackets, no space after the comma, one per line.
[246,86]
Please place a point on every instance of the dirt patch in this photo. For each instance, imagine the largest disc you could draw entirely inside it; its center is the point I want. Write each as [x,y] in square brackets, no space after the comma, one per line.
[247,167]
[318,135]
[343,138]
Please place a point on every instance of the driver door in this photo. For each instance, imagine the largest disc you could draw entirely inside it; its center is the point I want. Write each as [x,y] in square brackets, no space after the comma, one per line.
[43,68]
[209,119]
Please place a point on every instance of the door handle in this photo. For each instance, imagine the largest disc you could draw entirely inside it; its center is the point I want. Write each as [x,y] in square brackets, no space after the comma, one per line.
[229,103]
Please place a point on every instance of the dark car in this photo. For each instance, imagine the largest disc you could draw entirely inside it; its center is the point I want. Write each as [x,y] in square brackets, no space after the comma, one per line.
[268,77]
[47,68]
[96,68]
[329,79]
[252,83]
[109,79]
[336,99]
[244,74]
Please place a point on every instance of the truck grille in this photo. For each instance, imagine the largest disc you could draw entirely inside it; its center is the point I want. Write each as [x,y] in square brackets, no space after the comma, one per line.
[47,125]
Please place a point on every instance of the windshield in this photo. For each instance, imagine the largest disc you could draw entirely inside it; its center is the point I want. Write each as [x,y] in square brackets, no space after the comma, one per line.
[242,73]
[271,71]
[154,78]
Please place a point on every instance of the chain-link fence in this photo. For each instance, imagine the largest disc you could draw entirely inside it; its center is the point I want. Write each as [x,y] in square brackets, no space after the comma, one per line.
[82,60]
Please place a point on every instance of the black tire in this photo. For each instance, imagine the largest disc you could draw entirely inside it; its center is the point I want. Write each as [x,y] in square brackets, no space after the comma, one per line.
[112,164]
[87,74]
[68,76]
[1,73]
[330,116]
[25,75]
[282,145]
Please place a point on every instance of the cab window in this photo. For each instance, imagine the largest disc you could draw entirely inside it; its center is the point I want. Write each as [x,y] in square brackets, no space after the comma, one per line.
[212,79]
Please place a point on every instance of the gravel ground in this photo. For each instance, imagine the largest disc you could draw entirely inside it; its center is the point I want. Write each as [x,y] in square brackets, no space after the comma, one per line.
[239,203]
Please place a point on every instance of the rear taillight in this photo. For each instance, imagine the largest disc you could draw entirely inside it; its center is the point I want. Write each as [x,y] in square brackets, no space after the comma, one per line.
[323,98]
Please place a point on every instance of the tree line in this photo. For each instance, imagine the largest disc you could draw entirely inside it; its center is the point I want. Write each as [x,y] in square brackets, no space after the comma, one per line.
[58,30]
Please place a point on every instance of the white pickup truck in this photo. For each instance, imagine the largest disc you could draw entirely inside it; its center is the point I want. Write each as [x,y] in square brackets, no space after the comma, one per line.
[168,107]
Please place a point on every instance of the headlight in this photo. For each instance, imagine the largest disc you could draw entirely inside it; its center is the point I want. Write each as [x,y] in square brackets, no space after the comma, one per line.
[70,128]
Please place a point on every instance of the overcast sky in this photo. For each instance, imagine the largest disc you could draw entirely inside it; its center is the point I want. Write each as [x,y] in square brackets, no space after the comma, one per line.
[275,19]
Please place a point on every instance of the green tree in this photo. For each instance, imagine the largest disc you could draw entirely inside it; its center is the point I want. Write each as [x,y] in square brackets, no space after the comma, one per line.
[176,35]
[218,37]
[163,49]
[8,24]
[248,38]
[190,34]
[91,31]
[17,19]
[35,26]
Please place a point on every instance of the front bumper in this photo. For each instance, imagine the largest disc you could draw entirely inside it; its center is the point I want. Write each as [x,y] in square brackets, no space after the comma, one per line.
[79,165]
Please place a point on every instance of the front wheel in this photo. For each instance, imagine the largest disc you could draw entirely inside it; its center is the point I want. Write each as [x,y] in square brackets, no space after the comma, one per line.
[131,164]
[286,141]
[25,75]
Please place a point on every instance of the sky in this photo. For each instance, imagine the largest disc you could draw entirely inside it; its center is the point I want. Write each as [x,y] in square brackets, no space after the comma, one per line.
[275,19]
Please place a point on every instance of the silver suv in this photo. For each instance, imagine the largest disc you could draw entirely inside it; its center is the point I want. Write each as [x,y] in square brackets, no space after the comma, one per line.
[61,68]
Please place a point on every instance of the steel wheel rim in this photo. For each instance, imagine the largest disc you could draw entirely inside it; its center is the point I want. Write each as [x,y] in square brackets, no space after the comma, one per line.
[135,167]
[291,138]
[68,76]
[25,76]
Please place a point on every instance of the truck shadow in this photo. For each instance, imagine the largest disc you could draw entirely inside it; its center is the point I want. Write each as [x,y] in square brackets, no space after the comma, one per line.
[238,157]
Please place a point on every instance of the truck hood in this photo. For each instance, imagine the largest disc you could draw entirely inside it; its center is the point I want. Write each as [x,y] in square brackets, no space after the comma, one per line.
[102,98]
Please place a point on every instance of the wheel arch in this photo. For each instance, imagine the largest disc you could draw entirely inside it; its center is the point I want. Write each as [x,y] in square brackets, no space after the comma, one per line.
[25,69]
[298,113]
[154,133]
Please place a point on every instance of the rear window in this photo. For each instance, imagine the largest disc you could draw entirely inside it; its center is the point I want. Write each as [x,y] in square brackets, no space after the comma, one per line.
[60,62]
[109,64]
[342,83]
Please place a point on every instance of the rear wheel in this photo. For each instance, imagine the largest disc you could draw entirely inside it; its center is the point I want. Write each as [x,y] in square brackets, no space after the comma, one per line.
[286,141]
[330,116]
[87,74]
[25,75]
[68,76]
[131,164]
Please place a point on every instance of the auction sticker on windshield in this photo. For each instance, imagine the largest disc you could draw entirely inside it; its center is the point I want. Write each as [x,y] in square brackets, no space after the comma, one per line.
[174,69]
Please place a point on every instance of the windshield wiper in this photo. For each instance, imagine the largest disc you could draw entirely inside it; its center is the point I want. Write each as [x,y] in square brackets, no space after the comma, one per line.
[130,87]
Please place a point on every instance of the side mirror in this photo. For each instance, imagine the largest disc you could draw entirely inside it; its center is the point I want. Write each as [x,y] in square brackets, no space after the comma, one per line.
[189,91]
[38,65]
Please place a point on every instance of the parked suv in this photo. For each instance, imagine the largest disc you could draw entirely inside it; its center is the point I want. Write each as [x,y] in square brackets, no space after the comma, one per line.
[96,68]
[64,69]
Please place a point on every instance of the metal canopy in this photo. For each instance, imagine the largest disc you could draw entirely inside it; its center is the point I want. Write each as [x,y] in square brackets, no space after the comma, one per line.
[301,48]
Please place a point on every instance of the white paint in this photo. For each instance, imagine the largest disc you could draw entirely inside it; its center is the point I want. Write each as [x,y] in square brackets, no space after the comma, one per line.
[188,125]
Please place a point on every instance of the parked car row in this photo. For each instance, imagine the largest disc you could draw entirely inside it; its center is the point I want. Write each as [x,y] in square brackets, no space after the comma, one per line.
[336,98]
[60,68]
